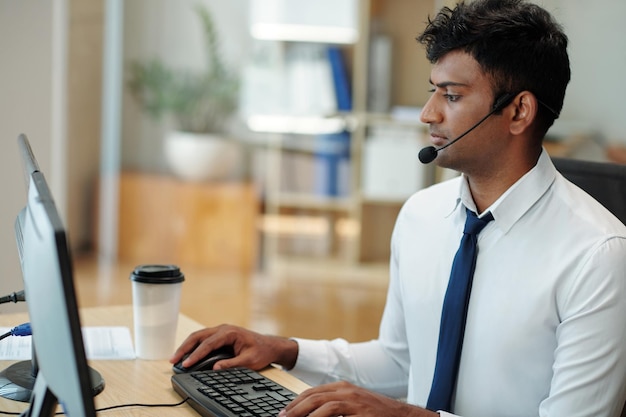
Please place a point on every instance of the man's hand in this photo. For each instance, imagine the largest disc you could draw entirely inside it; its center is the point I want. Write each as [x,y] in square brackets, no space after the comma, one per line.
[345,399]
[252,350]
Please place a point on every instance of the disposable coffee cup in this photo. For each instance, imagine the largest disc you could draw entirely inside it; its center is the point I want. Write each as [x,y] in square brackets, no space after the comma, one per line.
[156,304]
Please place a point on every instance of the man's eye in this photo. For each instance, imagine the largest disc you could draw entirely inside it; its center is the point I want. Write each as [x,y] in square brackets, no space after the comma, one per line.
[452,97]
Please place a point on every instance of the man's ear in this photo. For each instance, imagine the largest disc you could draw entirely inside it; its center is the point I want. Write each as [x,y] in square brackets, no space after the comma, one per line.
[525,107]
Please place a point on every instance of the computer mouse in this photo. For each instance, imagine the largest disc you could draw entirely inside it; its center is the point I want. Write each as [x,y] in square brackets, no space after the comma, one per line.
[206,363]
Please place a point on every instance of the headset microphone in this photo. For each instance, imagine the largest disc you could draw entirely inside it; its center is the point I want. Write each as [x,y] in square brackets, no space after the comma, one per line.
[429,153]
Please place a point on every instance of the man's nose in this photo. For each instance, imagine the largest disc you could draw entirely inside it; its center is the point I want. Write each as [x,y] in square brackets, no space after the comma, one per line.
[429,113]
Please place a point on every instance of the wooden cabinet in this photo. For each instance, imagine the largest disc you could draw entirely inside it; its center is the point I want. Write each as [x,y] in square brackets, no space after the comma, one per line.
[165,220]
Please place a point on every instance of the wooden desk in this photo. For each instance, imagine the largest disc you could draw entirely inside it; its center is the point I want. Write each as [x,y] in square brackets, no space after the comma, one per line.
[136,381]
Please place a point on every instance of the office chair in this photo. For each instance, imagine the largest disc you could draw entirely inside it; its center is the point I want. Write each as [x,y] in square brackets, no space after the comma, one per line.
[606,182]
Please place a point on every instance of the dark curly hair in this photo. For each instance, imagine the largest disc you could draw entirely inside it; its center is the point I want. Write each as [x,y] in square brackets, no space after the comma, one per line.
[518,44]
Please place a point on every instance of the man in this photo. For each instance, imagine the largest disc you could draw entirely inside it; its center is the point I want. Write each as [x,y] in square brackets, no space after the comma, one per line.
[545,331]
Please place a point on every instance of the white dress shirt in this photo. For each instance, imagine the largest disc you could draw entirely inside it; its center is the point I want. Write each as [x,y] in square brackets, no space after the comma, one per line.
[546,325]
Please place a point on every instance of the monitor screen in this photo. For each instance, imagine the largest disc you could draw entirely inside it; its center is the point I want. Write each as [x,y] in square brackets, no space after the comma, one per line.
[63,375]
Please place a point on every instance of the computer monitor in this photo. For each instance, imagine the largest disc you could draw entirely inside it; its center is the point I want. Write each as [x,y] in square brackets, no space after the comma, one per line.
[63,376]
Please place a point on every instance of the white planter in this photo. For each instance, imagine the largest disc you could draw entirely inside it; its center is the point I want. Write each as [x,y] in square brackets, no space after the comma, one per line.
[202,157]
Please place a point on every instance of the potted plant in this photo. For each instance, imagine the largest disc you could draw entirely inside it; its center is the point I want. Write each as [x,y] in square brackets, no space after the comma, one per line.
[198,104]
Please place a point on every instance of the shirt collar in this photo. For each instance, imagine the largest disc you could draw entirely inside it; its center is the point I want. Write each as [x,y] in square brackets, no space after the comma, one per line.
[515,201]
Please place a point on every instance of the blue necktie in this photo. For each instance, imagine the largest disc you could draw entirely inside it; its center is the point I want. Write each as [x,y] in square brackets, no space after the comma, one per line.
[454,313]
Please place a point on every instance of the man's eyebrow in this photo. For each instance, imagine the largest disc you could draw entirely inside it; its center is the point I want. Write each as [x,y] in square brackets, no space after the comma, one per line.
[445,84]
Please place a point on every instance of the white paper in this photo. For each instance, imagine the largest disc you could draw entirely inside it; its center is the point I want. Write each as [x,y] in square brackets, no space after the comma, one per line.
[101,343]
[14,347]
[113,343]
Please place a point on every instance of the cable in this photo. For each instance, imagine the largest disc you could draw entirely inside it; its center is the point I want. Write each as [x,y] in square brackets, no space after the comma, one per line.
[13,297]
[113,407]
[21,330]
[24,329]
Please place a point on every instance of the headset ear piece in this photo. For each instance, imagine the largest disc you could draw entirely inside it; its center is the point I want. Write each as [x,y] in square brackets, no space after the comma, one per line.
[503,101]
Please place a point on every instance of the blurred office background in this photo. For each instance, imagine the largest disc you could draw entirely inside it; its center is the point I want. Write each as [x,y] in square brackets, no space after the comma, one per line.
[293,236]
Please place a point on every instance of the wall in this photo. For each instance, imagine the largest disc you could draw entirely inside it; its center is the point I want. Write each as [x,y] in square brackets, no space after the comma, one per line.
[597,48]
[26,101]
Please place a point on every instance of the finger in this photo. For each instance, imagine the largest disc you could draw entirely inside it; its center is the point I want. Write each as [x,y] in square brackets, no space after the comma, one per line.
[316,404]
[199,344]
[207,346]
[307,398]
[323,400]
[188,345]
[332,408]
[244,357]
[228,363]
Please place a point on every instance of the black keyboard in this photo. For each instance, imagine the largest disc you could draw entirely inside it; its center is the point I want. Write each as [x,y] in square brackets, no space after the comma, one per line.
[236,392]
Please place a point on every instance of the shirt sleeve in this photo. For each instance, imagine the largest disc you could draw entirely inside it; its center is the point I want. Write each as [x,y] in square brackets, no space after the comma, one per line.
[364,364]
[590,358]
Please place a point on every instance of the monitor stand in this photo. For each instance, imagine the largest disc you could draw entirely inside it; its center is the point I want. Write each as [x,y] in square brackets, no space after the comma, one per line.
[17,381]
